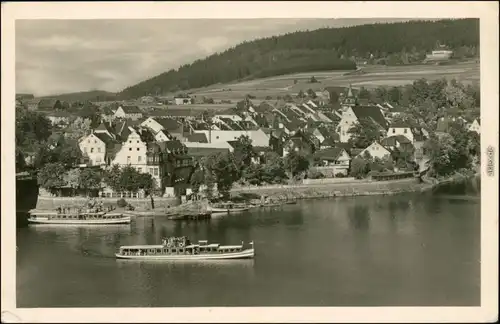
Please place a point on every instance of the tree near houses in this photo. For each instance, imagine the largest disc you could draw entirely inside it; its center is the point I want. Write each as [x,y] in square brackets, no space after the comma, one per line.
[196,180]
[89,179]
[301,94]
[72,179]
[359,168]
[31,127]
[273,170]
[225,171]
[243,151]
[296,163]
[364,93]
[441,151]
[456,97]
[364,133]
[50,177]
[112,177]
[132,180]
[311,93]
[79,128]
[67,152]
[254,174]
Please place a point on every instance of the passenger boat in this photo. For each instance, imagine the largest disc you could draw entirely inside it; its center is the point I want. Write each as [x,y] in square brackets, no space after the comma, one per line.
[182,249]
[90,218]
[228,208]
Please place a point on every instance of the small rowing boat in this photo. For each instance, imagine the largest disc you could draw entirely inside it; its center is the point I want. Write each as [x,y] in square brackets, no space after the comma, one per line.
[183,249]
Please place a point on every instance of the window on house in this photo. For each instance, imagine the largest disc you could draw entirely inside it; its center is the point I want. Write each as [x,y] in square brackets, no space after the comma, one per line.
[92,150]
[393,130]
[137,149]
[139,169]
[151,171]
[217,137]
[95,142]
[85,149]
[98,159]
[99,150]
[88,141]
[130,142]
[137,142]
[155,170]
[130,149]
[405,131]
[139,158]
[128,159]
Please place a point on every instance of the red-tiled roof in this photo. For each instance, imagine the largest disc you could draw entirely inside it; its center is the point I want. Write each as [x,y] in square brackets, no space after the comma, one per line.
[197,138]
[205,151]
[131,110]
[168,123]
[370,112]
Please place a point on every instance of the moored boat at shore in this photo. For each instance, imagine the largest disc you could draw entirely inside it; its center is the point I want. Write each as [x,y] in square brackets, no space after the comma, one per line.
[183,249]
[90,218]
[225,208]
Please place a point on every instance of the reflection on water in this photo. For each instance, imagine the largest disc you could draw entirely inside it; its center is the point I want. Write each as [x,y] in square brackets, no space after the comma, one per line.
[407,250]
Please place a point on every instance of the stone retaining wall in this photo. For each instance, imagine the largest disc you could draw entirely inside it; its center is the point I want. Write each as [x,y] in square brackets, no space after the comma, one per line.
[361,188]
[138,203]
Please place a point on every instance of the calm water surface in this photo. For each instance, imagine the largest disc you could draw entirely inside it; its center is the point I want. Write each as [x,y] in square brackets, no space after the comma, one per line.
[408,250]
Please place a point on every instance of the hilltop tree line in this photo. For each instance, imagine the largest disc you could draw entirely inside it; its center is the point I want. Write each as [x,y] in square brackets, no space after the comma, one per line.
[322,49]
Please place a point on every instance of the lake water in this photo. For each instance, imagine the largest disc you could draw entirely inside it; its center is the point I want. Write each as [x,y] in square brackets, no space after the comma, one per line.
[405,250]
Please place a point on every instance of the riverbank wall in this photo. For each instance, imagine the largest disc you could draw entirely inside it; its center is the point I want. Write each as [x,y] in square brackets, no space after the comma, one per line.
[342,188]
[51,203]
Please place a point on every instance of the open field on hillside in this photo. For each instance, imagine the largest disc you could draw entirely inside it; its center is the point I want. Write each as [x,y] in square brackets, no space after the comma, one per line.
[372,76]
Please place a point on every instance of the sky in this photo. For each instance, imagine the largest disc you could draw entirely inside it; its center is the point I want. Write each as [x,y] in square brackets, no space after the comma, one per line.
[62,56]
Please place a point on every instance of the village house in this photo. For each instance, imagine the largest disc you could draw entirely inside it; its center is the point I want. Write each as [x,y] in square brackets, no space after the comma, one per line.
[348,100]
[182,101]
[475,126]
[258,137]
[176,168]
[196,138]
[322,97]
[193,146]
[413,134]
[128,112]
[165,128]
[333,161]
[133,152]
[107,113]
[330,141]
[105,128]
[49,104]
[354,114]
[376,150]
[59,117]
[399,142]
[300,143]
[93,147]
[31,104]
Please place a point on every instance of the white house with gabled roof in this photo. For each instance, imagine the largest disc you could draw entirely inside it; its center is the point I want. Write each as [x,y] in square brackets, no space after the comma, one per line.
[475,126]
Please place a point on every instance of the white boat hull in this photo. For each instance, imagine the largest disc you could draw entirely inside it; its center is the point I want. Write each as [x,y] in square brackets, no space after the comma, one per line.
[246,254]
[46,220]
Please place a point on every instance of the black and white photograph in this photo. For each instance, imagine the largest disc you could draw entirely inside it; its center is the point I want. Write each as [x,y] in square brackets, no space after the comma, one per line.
[182,162]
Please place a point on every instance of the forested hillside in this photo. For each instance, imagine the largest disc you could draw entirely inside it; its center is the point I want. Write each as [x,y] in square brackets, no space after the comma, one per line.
[322,49]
